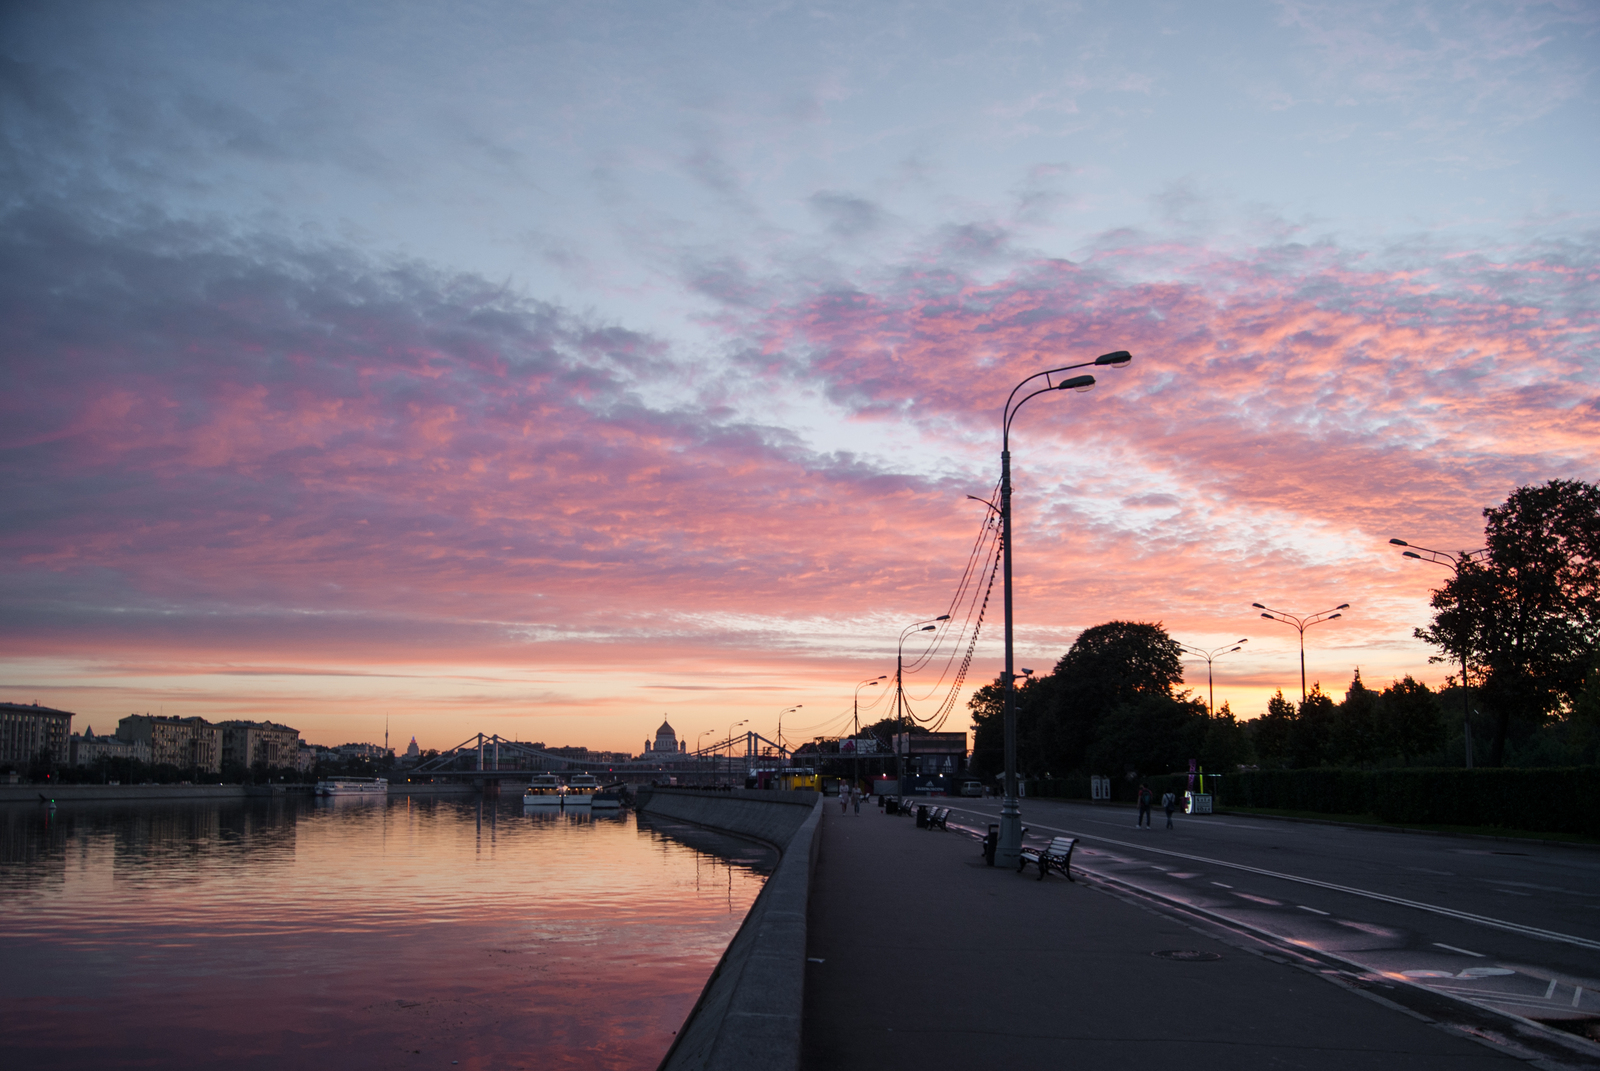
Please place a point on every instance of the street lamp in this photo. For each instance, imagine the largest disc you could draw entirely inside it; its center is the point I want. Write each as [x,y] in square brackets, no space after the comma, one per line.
[781,713]
[731,728]
[697,755]
[1211,707]
[899,687]
[1301,624]
[1008,849]
[855,705]
[1454,562]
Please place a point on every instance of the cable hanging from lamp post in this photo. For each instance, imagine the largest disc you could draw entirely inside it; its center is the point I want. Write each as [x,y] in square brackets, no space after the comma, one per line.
[1008,848]
[1301,624]
[1453,562]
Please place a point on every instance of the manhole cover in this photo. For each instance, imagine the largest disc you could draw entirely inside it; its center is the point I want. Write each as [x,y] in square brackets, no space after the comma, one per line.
[1188,955]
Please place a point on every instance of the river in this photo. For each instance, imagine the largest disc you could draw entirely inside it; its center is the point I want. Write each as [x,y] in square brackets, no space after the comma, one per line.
[404,933]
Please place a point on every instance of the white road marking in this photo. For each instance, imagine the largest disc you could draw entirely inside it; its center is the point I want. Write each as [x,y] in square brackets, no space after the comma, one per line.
[1464,916]
[1218,883]
[1548,993]
[1313,910]
[1453,948]
[1577,995]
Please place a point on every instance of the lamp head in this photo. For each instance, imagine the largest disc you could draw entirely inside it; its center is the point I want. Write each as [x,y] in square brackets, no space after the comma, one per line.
[927,628]
[1335,615]
[1119,357]
[942,617]
[1077,383]
[1258,606]
[1410,554]
[1342,606]
[1245,640]
[1269,617]
[1399,542]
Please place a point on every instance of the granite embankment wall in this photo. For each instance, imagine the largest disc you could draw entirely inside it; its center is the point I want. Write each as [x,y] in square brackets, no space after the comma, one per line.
[129,793]
[748,1015]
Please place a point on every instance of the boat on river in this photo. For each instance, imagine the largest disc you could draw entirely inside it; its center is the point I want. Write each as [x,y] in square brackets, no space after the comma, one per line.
[545,790]
[606,799]
[580,790]
[353,786]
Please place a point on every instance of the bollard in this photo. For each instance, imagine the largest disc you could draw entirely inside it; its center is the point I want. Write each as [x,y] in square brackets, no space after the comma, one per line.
[922,816]
[991,841]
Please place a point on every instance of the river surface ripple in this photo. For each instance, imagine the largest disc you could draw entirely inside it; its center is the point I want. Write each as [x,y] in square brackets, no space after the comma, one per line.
[405,933]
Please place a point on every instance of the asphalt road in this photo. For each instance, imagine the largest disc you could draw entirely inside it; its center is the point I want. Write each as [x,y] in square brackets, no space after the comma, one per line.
[1510,926]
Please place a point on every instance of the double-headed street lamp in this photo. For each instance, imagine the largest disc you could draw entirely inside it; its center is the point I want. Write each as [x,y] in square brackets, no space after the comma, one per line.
[697,755]
[1009,846]
[1301,624]
[1227,648]
[1454,562]
[928,625]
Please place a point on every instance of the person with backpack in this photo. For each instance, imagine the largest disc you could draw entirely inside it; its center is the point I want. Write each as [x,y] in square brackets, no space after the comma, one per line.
[1145,796]
[1168,802]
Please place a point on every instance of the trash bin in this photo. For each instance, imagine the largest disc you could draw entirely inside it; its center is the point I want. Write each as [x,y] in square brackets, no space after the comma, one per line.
[922,816]
[991,841]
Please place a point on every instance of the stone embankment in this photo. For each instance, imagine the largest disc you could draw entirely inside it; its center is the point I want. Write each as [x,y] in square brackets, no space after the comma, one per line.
[749,1013]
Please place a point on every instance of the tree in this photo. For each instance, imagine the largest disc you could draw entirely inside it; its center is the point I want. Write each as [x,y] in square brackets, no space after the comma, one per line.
[1107,667]
[1226,745]
[1357,737]
[1272,730]
[1412,720]
[1150,734]
[1528,613]
[1311,732]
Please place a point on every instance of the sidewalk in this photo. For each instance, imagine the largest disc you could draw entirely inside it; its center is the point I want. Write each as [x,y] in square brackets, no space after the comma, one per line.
[933,960]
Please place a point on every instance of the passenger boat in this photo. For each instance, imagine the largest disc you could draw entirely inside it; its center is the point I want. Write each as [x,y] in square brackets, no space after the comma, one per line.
[606,799]
[353,786]
[545,790]
[580,790]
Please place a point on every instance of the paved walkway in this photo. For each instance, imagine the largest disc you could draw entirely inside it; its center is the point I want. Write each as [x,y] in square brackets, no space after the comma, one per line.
[933,960]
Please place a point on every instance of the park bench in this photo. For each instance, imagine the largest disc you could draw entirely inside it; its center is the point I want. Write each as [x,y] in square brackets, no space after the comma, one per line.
[1058,855]
[938,817]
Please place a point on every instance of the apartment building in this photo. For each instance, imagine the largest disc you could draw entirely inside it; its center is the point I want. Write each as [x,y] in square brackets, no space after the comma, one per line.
[27,730]
[187,743]
[266,743]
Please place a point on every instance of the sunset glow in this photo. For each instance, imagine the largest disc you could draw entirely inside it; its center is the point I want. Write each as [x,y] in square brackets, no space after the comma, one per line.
[543,373]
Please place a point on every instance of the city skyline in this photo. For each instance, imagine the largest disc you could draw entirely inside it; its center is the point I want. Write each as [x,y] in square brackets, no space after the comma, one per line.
[546,372]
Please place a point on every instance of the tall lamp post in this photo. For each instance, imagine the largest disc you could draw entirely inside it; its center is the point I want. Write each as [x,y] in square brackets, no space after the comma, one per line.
[899,686]
[1209,656]
[1009,847]
[731,728]
[855,707]
[781,713]
[1454,562]
[699,763]
[1301,624]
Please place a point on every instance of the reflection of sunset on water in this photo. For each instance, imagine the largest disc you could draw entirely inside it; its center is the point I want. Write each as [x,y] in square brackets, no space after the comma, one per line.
[270,934]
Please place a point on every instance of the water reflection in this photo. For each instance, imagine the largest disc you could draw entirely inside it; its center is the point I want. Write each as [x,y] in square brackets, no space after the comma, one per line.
[260,932]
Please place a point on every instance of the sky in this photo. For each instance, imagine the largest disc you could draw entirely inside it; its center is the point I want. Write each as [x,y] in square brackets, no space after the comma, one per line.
[545,370]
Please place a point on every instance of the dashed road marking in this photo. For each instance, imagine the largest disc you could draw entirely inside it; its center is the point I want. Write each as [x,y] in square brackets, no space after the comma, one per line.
[1453,948]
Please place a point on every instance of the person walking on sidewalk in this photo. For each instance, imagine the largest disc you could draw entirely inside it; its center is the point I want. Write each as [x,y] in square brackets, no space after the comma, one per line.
[1145,796]
[844,798]
[1168,802]
[855,798]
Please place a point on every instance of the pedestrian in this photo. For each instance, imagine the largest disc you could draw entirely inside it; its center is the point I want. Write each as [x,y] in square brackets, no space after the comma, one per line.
[855,799]
[844,798]
[1145,796]
[1168,802]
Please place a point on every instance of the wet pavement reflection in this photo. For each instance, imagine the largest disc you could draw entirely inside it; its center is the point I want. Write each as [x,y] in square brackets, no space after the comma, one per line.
[357,933]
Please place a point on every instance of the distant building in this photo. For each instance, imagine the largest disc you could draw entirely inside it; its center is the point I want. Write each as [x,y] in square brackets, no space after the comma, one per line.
[370,752]
[412,750]
[666,747]
[89,749]
[187,743]
[27,730]
[259,743]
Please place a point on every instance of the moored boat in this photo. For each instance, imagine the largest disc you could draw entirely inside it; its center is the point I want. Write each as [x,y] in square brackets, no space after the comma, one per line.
[545,790]
[580,790]
[353,786]
[606,799]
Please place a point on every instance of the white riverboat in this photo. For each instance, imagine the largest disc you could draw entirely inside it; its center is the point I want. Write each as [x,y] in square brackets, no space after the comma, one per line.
[580,790]
[353,786]
[545,790]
